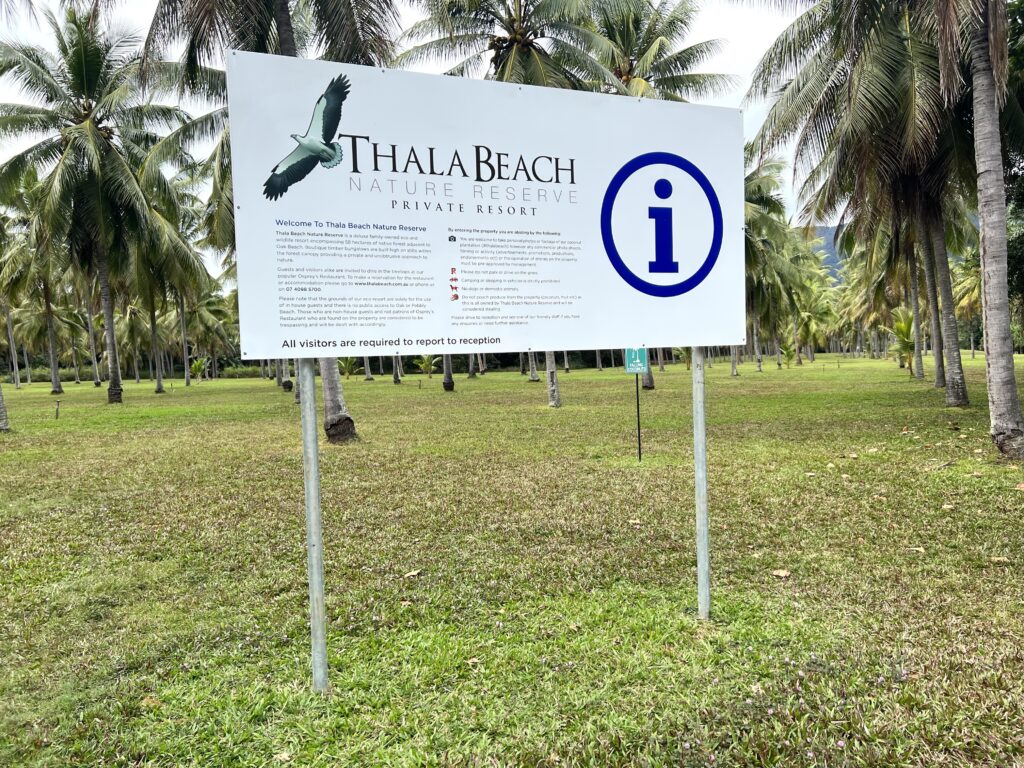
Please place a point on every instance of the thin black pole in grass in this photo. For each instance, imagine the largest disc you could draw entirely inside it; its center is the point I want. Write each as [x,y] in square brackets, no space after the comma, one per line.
[314,531]
[639,448]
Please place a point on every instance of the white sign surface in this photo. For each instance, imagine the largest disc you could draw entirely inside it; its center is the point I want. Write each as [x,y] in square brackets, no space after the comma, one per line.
[387,212]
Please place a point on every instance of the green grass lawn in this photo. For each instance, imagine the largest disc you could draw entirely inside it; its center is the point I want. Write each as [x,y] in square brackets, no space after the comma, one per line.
[505,585]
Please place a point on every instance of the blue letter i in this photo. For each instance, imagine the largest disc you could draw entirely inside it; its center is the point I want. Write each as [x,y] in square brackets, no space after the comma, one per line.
[663,260]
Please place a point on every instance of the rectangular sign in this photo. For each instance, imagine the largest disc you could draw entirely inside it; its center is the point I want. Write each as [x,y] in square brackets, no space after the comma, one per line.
[636,360]
[387,212]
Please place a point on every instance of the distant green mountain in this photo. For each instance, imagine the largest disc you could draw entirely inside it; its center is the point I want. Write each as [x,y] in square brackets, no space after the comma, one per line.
[828,247]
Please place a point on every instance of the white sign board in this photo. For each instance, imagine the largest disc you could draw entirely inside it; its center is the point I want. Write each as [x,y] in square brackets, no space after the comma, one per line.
[418,213]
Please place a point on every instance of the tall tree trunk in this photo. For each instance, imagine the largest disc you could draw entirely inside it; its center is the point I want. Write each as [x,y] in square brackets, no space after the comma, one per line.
[554,395]
[367,372]
[522,364]
[286,373]
[448,383]
[28,366]
[279,372]
[972,343]
[97,376]
[1005,417]
[647,377]
[471,370]
[597,356]
[661,359]
[755,327]
[928,257]
[51,343]
[338,424]
[114,389]
[74,361]
[154,352]
[915,306]
[796,343]
[565,359]
[396,367]
[135,364]
[184,339]
[612,353]
[956,382]
[733,359]
[778,353]
[482,360]
[285,31]
[532,357]
[15,373]
[5,423]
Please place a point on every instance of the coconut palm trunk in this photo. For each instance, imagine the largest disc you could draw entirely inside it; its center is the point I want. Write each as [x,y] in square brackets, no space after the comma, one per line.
[522,364]
[28,366]
[1006,421]
[532,357]
[928,257]
[734,354]
[368,373]
[15,373]
[5,423]
[565,359]
[915,307]
[551,365]
[154,350]
[279,372]
[114,388]
[396,367]
[51,344]
[448,382]
[472,371]
[647,377]
[757,343]
[597,356]
[956,382]
[796,344]
[338,423]
[184,338]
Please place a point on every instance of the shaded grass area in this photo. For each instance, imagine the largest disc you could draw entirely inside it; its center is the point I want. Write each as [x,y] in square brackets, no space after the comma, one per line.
[506,585]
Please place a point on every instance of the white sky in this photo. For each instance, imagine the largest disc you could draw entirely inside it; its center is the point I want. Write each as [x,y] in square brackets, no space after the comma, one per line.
[747,29]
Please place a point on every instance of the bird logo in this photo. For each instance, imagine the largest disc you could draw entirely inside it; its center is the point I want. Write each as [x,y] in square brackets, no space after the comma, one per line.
[316,146]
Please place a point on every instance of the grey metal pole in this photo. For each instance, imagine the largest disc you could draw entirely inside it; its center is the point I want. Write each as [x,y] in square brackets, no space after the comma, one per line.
[700,484]
[314,534]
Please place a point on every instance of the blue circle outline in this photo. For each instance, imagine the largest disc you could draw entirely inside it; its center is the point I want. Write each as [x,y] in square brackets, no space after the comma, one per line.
[634,165]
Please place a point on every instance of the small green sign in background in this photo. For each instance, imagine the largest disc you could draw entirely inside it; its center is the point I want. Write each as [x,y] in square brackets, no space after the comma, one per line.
[636,360]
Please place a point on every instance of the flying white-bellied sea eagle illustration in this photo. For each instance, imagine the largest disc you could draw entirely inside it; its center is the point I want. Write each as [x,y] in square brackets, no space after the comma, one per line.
[316,146]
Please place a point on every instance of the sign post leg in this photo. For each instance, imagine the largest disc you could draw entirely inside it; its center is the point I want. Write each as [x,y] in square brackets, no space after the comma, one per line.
[314,534]
[639,448]
[700,470]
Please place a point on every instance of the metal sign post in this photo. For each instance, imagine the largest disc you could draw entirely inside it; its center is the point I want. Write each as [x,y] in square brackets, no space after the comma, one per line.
[314,533]
[636,363]
[700,484]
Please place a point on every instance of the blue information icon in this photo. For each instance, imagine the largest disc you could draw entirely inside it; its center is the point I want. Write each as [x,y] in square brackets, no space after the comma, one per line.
[664,261]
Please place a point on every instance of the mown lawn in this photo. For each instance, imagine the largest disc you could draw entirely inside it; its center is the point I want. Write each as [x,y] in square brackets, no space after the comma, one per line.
[505,585]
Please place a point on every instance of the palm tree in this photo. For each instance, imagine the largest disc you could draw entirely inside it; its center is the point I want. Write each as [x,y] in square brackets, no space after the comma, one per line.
[858,89]
[35,266]
[448,383]
[533,42]
[554,395]
[5,423]
[427,364]
[903,336]
[348,366]
[640,44]
[988,80]
[338,423]
[96,124]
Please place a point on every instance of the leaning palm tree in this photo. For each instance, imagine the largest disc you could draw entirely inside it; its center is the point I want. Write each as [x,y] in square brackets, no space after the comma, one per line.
[93,124]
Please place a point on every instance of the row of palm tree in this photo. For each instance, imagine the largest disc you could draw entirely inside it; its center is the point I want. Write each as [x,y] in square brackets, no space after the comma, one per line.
[893,109]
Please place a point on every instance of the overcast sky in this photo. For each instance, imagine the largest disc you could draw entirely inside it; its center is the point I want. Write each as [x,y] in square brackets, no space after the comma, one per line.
[745,29]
